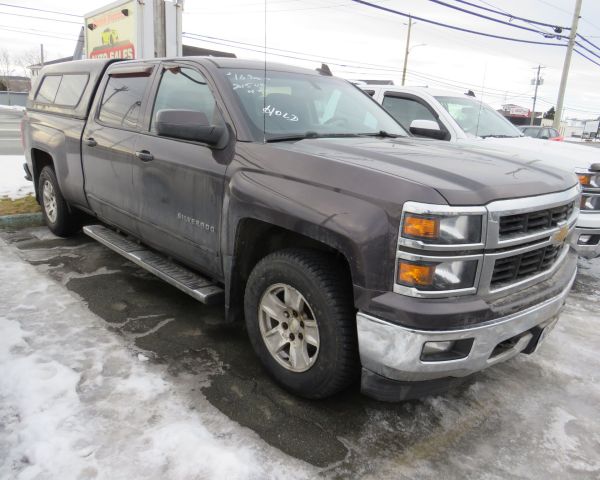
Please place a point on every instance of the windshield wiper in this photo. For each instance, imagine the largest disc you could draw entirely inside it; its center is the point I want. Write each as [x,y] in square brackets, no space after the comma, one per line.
[499,136]
[380,133]
[310,134]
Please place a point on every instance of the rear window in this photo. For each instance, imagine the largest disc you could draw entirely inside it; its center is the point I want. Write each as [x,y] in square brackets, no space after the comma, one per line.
[62,90]
[48,88]
[71,89]
[122,101]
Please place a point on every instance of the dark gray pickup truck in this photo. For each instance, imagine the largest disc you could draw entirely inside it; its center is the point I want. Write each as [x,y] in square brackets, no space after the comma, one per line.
[349,247]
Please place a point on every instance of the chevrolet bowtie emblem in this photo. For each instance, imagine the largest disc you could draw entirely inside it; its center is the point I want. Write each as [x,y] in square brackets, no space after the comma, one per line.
[560,236]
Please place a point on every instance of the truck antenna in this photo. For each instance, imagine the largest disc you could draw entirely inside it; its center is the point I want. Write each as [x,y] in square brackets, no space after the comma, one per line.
[481,100]
[265,82]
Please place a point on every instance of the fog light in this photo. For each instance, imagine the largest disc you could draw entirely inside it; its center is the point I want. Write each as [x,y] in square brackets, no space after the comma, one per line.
[583,239]
[431,348]
[446,350]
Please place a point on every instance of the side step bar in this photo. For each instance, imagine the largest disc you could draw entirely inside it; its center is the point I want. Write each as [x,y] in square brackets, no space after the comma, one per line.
[187,281]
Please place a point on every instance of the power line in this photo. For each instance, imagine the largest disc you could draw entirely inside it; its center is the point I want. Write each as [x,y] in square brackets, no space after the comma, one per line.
[453,27]
[41,18]
[37,32]
[40,10]
[511,16]
[486,17]
[371,67]
[492,92]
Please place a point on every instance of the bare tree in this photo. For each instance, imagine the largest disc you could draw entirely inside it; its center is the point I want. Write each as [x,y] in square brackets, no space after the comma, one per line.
[27,59]
[5,69]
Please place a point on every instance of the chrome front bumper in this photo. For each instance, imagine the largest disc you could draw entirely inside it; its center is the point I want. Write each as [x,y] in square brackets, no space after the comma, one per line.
[395,352]
[588,227]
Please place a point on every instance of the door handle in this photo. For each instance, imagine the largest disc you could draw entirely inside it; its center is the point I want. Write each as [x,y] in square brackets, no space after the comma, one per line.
[144,155]
[90,142]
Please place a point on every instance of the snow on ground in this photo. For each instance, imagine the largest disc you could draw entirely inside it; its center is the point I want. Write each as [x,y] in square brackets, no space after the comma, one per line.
[12,177]
[13,108]
[75,403]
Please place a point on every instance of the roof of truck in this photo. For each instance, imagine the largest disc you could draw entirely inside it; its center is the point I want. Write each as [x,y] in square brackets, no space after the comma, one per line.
[435,92]
[225,62]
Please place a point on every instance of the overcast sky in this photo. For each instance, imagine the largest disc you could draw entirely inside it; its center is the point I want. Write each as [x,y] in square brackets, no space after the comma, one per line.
[370,43]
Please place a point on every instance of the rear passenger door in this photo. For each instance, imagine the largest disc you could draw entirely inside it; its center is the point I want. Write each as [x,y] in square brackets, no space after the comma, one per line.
[179,183]
[108,144]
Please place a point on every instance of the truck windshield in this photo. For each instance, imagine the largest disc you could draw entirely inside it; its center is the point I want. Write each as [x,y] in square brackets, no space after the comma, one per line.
[478,119]
[295,105]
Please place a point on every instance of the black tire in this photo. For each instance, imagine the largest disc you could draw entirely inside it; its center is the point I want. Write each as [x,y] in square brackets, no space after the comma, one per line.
[66,221]
[326,287]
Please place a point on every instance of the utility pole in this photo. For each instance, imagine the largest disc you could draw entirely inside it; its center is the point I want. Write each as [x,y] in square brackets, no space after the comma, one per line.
[160,34]
[567,66]
[410,21]
[537,81]
[42,54]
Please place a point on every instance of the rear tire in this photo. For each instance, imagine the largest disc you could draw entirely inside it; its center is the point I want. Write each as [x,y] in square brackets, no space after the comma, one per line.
[301,322]
[59,218]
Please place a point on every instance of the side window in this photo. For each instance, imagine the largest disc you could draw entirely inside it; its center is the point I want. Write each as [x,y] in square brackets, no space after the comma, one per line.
[530,132]
[122,100]
[71,89]
[544,133]
[554,133]
[405,110]
[47,91]
[185,89]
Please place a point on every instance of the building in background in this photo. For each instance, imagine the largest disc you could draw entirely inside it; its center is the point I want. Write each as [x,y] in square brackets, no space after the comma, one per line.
[518,115]
[15,83]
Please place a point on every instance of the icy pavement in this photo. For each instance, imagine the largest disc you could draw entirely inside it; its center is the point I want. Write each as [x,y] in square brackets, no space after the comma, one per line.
[533,417]
[12,177]
[76,403]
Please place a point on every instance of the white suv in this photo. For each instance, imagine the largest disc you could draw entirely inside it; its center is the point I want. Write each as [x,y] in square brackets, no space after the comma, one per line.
[463,119]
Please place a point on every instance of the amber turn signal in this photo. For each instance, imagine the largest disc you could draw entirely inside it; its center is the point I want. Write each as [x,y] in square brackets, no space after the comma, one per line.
[415,275]
[584,179]
[416,226]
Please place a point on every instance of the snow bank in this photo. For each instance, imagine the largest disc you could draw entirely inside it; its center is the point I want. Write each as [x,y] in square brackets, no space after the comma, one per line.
[75,403]
[12,177]
[13,108]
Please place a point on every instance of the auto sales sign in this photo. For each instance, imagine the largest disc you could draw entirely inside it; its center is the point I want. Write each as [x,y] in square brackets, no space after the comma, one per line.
[112,32]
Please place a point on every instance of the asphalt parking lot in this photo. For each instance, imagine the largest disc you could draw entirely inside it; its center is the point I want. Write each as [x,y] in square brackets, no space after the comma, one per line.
[532,417]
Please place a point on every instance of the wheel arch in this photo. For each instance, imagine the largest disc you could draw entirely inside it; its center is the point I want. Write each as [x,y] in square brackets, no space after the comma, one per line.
[255,238]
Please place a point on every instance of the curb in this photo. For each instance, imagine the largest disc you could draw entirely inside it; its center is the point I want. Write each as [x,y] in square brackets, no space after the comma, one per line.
[22,220]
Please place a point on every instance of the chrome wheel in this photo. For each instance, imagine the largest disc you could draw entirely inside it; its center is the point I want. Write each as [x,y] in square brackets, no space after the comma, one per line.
[288,327]
[49,201]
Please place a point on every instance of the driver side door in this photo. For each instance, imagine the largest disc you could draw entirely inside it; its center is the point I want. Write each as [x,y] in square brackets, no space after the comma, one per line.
[179,183]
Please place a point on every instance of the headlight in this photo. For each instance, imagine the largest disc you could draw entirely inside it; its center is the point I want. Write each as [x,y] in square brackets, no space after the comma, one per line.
[589,180]
[432,275]
[590,202]
[442,229]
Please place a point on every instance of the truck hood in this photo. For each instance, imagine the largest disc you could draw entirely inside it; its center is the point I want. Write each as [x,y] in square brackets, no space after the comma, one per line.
[563,155]
[461,174]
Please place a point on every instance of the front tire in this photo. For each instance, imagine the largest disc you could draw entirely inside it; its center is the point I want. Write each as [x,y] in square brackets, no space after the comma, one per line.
[301,322]
[58,216]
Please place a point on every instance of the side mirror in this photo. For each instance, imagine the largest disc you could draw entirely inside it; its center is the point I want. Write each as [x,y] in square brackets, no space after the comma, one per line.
[427,128]
[188,125]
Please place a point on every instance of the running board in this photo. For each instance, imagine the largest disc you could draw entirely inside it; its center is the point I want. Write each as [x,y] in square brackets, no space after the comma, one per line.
[200,288]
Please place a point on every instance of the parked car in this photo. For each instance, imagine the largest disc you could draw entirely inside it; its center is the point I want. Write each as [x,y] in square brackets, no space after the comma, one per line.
[350,248]
[543,133]
[463,120]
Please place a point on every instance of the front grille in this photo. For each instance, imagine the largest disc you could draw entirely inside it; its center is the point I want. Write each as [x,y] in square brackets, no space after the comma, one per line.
[519,267]
[532,222]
